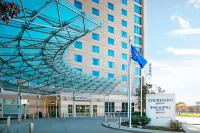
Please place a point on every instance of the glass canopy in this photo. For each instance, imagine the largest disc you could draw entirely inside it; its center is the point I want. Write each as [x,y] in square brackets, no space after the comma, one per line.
[33,49]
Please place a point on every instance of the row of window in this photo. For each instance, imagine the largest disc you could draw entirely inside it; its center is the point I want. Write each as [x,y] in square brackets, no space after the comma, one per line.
[95,49]
[111,106]
[95,61]
[110,6]
[124,2]
[137,30]
[137,19]
[137,71]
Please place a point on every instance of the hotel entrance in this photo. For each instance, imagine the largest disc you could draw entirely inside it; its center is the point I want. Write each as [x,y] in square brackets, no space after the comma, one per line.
[52,110]
[83,110]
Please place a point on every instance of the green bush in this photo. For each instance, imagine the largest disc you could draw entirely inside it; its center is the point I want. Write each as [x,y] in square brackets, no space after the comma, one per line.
[138,113]
[140,120]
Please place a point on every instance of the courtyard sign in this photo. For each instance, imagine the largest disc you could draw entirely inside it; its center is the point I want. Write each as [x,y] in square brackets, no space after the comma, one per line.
[161,109]
[80,98]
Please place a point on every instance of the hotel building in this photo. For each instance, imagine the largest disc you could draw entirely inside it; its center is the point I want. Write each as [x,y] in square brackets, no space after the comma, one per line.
[102,53]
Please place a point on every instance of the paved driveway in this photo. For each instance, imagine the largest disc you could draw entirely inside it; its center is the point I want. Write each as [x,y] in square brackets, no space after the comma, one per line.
[69,125]
[191,124]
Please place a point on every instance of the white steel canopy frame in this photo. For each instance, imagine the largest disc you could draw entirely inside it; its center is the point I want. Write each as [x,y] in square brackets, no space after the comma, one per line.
[33,49]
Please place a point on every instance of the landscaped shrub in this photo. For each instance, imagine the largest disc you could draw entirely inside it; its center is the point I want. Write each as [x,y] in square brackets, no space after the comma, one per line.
[139,113]
[140,120]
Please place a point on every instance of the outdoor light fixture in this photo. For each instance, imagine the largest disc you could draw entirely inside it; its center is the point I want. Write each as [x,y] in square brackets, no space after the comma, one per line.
[52,102]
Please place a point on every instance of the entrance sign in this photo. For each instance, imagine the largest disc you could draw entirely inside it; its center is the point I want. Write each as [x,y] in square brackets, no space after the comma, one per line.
[82,98]
[161,109]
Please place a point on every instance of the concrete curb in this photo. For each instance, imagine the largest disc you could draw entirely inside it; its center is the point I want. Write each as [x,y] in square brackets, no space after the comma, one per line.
[114,125]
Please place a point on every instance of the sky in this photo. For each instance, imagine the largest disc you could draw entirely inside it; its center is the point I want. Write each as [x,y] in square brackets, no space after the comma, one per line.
[173,47]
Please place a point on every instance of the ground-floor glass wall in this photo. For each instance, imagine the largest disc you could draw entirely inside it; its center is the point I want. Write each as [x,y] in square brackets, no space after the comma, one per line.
[82,110]
[10,107]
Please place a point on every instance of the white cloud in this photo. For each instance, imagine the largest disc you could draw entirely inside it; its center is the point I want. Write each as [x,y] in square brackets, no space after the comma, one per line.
[191,31]
[179,77]
[183,51]
[182,22]
[186,28]
[194,3]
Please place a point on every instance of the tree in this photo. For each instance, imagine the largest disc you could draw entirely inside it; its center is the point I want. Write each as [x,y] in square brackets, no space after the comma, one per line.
[181,107]
[198,105]
[145,90]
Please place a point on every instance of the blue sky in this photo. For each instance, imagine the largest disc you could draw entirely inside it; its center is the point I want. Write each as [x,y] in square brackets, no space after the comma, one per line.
[173,46]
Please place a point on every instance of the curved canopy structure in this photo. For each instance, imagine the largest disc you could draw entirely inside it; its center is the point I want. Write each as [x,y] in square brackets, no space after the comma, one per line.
[33,49]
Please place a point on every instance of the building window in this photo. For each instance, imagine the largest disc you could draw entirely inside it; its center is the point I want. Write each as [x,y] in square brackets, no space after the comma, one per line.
[111,64]
[124,23]
[111,75]
[124,2]
[111,18]
[124,67]
[124,56]
[110,6]
[95,73]
[124,34]
[137,30]
[137,71]
[111,53]
[95,49]
[137,81]
[111,107]
[79,69]
[95,1]
[137,40]
[78,58]
[78,45]
[137,20]
[111,29]
[124,90]
[137,9]
[95,61]
[125,107]
[138,1]
[124,45]
[95,11]
[95,36]
[70,109]
[124,12]
[124,78]
[111,41]
[138,49]
[77,4]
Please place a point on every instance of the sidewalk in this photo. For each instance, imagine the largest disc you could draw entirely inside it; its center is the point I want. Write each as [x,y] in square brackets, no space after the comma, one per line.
[115,125]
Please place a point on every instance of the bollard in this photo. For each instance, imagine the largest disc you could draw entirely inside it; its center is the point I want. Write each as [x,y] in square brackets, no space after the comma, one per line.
[119,122]
[63,115]
[31,128]
[114,116]
[19,119]
[8,124]
[111,116]
[48,115]
[106,118]
[95,115]
[33,118]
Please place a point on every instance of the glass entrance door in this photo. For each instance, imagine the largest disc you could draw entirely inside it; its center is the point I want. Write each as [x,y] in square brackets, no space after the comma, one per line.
[52,110]
[84,110]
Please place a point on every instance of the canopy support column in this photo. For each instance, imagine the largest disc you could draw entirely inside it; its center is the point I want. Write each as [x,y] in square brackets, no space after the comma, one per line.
[38,108]
[91,109]
[74,107]
[56,105]
[108,106]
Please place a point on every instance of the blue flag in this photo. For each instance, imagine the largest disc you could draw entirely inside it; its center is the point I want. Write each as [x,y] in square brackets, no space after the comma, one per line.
[136,56]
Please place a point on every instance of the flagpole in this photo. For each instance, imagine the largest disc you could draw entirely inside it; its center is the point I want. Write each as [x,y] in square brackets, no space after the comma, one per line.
[141,94]
[129,83]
